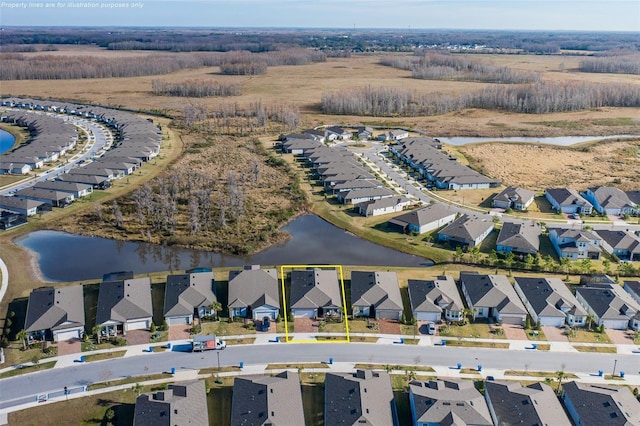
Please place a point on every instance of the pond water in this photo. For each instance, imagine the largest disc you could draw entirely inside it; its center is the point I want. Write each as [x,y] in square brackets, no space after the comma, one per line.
[561,141]
[6,141]
[67,257]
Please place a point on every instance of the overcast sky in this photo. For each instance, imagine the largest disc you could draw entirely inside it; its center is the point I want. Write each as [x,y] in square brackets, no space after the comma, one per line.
[583,15]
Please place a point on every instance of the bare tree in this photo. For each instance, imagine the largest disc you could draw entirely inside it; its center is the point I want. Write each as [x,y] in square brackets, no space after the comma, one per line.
[118,219]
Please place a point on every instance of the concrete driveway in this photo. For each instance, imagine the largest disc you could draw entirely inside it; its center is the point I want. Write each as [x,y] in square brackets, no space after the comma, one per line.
[137,337]
[179,332]
[514,332]
[554,334]
[622,337]
[68,347]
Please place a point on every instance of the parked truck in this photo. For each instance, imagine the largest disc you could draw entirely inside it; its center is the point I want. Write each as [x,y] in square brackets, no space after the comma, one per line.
[207,343]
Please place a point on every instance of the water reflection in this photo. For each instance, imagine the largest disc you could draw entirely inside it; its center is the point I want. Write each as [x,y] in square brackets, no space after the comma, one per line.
[67,257]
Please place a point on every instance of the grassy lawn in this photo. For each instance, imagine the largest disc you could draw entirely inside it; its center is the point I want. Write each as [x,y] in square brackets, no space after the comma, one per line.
[472,344]
[584,336]
[358,326]
[28,369]
[105,355]
[129,380]
[214,370]
[297,366]
[394,367]
[543,374]
[469,371]
[596,349]
[241,341]
[90,410]
[6,180]
[475,330]
[535,335]
[610,377]
[225,328]
[543,346]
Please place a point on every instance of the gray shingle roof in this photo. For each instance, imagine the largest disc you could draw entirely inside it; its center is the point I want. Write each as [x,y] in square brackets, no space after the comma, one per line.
[379,289]
[370,206]
[514,404]
[253,287]
[492,291]
[423,216]
[513,194]
[522,237]
[610,197]
[314,288]
[124,300]
[185,292]
[621,240]
[602,405]
[267,400]
[567,197]
[549,296]
[52,308]
[182,404]
[467,228]
[364,397]
[609,301]
[450,402]
[434,295]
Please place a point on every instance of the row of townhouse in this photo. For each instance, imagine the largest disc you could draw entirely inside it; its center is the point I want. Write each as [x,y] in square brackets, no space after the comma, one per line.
[367,397]
[603,199]
[137,140]
[585,244]
[333,133]
[424,155]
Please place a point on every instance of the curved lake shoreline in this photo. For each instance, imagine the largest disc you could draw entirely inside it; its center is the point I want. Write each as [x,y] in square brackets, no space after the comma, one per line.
[313,242]
[7,141]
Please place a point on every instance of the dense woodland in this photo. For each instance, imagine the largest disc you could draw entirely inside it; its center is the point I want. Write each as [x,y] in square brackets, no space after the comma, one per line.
[446,66]
[537,98]
[332,41]
[623,64]
[195,88]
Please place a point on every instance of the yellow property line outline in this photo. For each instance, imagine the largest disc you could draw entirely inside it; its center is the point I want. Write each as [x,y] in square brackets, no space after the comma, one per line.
[286,310]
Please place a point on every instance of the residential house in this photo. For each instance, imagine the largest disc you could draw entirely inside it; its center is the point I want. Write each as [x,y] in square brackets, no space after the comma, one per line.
[23,206]
[55,314]
[567,200]
[188,295]
[492,297]
[447,402]
[519,238]
[435,300]
[610,305]
[358,196]
[48,196]
[550,302]
[364,397]
[425,219]
[398,134]
[355,184]
[514,198]
[317,134]
[12,167]
[468,230]
[575,243]
[633,288]
[336,132]
[510,403]
[124,305]
[182,403]
[97,182]
[315,293]
[76,189]
[625,245]
[383,206]
[610,200]
[10,219]
[267,400]
[364,132]
[600,404]
[254,293]
[376,295]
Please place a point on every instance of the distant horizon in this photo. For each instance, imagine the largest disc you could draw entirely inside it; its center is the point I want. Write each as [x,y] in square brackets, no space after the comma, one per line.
[481,15]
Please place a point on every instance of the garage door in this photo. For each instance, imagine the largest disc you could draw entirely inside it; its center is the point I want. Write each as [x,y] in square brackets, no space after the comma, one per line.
[258,315]
[137,325]
[304,313]
[390,315]
[177,321]
[428,316]
[65,335]
[553,321]
[516,320]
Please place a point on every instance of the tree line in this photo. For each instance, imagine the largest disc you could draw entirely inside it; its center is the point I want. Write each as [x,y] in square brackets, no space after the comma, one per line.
[629,64]
[195,88]
[445,66]
[16,66]
[537,98]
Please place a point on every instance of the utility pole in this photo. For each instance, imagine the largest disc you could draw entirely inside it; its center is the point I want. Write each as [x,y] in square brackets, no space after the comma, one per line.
[218,353]
[615,362]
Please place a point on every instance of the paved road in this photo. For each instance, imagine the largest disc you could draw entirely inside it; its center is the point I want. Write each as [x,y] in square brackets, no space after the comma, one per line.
[374,155]
[98,138]
[20,389]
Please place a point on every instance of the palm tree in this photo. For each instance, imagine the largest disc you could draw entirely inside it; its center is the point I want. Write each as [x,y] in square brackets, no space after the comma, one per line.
[560,375]
[590,319]
[96,331]
[216,307]
[22,336]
